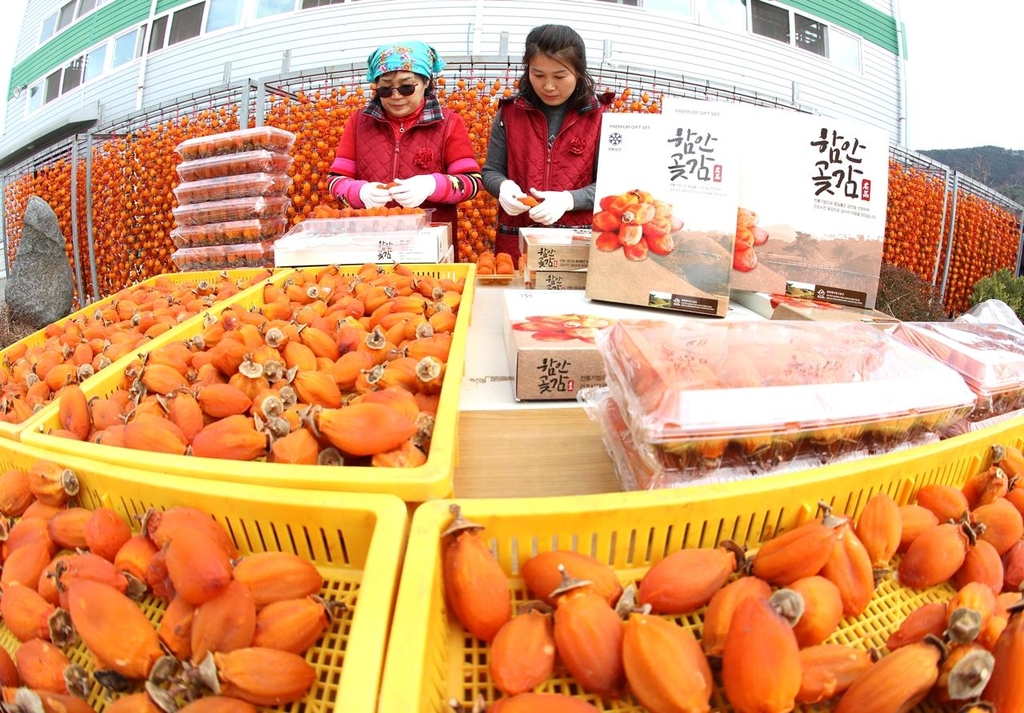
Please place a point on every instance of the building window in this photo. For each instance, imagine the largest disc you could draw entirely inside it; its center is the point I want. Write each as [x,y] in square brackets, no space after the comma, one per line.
[770,21]
[679,7]
[727,14]
[85,7]
[72,75]
[66,15]
[49,27]
[844,50]
[224,13]
[810,34]
[632,3]
[127,47]
[52,86]
[268,8]
[806,33]
[122,49]
[186,24]
[158,34]
[35,96]
[95,62]
[307,4]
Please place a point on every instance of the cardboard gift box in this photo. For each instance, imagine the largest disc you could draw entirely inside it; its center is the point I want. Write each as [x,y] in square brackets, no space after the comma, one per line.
[557,249]
[782,306]
[665,208]
[555,279]
[812,206]
[550,339]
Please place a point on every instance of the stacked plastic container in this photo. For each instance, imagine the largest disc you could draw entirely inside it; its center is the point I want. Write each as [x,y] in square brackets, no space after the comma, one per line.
[233,198]
[990,358]
[719,401]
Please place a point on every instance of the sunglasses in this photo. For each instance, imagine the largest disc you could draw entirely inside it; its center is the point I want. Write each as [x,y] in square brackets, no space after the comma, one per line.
[406,90]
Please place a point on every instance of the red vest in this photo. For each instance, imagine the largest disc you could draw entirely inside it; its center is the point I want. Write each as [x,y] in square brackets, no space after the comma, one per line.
[567,165]
[381,158]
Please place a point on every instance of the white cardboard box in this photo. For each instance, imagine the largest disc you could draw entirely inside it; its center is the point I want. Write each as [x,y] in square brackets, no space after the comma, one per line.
[430,245]
[550,339]
[812,198]
[665,208]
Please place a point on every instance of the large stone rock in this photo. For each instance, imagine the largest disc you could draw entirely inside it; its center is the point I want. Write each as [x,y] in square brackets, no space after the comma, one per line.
[40,287]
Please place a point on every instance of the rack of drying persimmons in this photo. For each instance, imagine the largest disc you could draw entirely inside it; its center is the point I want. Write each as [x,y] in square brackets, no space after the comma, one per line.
[127,166]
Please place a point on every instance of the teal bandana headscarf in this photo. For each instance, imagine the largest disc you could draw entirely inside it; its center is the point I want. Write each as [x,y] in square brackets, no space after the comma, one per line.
[412,56]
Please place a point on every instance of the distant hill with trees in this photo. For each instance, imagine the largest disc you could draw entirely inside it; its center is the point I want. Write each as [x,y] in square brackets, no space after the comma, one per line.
[1000,169]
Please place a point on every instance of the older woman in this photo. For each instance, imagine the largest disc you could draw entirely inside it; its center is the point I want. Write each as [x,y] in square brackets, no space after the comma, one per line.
[403,148]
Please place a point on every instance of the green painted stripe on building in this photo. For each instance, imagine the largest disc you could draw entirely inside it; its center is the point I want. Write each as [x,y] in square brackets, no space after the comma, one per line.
[859,18]
[165,5]
[100,25]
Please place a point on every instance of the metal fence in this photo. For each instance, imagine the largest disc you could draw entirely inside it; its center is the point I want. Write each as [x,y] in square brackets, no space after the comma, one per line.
[956,183]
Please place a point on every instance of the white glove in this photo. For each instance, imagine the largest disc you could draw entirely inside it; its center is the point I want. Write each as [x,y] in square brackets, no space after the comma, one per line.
[411,192]
[552,206]
[373,196]
[508,197]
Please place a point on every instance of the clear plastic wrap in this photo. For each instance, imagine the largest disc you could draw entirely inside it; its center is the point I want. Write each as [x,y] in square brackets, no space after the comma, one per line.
[267,138]
[243,186]
[756,394]
[232,209]
[230,233]
[990,358]
[260,161]
[225,257]
[321,230]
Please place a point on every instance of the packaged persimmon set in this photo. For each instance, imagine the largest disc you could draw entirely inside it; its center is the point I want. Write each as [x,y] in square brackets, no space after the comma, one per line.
[550,340]
[665,208]
[714,401]
[812,206]
[233,199]
[989,357]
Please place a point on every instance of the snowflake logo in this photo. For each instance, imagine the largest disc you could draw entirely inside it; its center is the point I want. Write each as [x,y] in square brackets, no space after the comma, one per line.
[615,138]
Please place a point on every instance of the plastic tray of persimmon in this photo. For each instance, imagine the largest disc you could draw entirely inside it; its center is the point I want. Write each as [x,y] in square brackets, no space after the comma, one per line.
[990,358]
[757,394]
[254,138]
[242,186]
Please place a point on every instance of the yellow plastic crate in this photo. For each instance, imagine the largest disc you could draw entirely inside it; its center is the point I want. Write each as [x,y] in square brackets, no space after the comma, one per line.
[431,659]
[14,431]
[355,540]
[433,479]
[112,373]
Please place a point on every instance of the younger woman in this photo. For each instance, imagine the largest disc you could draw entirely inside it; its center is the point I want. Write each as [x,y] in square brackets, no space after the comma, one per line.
[544,140]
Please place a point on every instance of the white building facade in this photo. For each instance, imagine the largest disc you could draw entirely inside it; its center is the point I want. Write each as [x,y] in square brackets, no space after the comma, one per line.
[80,64]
